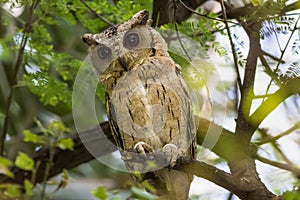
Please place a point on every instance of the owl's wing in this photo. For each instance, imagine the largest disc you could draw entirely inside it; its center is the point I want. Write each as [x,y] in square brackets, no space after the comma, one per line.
[191,125]
[192,132]
[113,126]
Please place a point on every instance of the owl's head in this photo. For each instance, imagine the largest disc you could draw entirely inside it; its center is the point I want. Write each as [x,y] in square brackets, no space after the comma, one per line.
[125,46]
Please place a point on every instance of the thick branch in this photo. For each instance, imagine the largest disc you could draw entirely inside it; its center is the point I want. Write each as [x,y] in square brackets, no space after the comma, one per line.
[241,187]
[163,10]
[70,159]
[243,128]
[67,159]
[225,148]
[285,91]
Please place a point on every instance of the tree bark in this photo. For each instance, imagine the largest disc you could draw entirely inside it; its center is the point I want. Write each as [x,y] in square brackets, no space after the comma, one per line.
[225,148]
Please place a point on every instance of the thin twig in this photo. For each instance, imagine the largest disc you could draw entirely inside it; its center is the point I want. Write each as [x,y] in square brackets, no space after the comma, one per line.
[97,14]
[282,54]
[273,139]
[275,145]
[177,32]
[235,59]
[279,165]
[214,31]
[47,170]
[269,105]
[268,69]
[27,29]
[276,35]
[262,96]
[273,57]
[205,16]
[230,196]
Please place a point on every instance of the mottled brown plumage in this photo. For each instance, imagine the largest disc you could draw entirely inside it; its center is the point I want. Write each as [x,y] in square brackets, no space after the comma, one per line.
[148,103]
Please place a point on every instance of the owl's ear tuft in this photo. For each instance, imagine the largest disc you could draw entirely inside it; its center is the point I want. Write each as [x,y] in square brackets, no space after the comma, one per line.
[141,17]
[88,39]
[149,22]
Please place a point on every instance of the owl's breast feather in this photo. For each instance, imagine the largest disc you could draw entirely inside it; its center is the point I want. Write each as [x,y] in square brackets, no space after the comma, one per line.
[151,104]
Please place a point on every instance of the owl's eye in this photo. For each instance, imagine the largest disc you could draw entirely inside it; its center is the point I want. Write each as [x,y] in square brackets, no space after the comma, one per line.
[104,52]
[131,40]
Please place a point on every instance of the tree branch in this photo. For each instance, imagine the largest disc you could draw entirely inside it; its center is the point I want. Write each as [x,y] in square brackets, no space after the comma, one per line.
[93,137]
[186,8]
[243,127]
[287,167]
[273,139]
[205,15]
[225,147]
[295,28]
[285,91]
[235,59]
[97,14]
[163,11]
[65,159]
[215,175]
[27,29]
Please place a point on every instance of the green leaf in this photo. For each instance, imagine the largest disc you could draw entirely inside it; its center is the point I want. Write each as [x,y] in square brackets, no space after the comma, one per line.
[291,195]
[100,193]
[4,164]
[5,161]
[50,89]
[142,194]
[58,127]
[13,191]
[148,186]
[24,162]
[5,170]
[65,143]
[116,198]
[30,137]
[28,187]
[257,2]
[65,175]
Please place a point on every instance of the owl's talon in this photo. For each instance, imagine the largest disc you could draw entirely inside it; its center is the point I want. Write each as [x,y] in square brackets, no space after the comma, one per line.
[143,148]
[171,153]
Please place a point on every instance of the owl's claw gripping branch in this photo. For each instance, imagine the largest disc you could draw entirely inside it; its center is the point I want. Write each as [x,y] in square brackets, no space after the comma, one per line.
[143,148]
[171,153]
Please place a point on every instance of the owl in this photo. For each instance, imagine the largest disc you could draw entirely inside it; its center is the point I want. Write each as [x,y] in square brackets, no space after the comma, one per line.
[147,100]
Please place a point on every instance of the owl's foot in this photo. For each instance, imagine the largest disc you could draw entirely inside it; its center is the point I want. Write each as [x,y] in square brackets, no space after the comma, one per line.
[143,148]
[171,153]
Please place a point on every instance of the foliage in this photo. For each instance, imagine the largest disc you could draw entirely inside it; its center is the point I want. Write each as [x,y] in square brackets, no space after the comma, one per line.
[24,162]
[291,195]
[52,137]
[100,193]
[41,52]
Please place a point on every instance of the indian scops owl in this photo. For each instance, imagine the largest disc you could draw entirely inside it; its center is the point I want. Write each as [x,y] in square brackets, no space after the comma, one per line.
[147,100]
